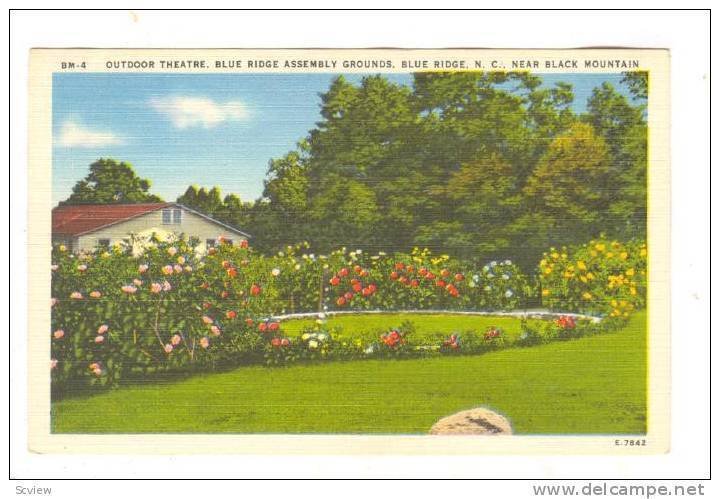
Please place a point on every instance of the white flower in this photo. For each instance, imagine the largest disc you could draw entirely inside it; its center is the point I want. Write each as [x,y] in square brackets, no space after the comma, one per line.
[321,315]
[313,344]
[486,268]
[281,253]
[382,253]
[507,262]
[476,278]
[322,337]
[326,266]
[505,276]
[359,251]
[508,293]
[370,349]
[493,263]
[312,256]
[297,266]
[488,288]
[471,284]
[275,272]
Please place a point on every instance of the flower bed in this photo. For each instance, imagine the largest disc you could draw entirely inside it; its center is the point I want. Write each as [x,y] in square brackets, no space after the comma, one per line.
[116,315]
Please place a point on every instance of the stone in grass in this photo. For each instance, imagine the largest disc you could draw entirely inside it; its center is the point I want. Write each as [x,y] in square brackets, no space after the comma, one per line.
[478,421]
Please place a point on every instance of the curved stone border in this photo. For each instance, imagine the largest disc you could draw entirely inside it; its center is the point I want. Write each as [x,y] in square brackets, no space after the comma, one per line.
[523,314]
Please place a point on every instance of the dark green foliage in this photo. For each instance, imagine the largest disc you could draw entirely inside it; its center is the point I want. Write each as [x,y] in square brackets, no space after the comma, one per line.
[111,182]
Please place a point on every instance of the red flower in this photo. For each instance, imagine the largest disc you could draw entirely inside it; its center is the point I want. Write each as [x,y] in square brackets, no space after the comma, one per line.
[414,283]
[429,276]
[249,321]
[273,326]
[224,294]
[348,296]
[394,275]
[225,264]
[335,281]
[459,277]
[230,314]
[255,290]
[357,287]
[232,272]
[275,342]
[244,244]
[340,301]
[444,272]
[358,269]
[399,266]
[285,342]
[492,333]
[343,272]
[262,327]
[423,271]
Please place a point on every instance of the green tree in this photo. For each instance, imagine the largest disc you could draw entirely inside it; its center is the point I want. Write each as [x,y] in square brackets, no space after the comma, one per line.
[111,182]
[568,195]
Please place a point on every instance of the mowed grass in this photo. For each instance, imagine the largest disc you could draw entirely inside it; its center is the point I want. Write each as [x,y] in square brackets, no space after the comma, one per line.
[594,385]
[426,325]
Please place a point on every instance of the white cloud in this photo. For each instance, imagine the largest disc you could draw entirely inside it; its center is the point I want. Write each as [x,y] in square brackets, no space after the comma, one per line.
[75,135]
[186,112]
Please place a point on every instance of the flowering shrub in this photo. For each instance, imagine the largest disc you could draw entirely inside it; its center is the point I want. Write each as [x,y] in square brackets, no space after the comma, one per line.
[600,277]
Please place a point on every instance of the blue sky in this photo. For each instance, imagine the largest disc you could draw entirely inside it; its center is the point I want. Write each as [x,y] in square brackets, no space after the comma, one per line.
[211,129]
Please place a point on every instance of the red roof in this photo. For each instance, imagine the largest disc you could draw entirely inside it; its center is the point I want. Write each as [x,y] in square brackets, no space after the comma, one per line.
[80,219]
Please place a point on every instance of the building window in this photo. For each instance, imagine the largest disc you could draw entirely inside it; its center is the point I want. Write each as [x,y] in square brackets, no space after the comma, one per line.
[104,243]
[210,243]
[172,216]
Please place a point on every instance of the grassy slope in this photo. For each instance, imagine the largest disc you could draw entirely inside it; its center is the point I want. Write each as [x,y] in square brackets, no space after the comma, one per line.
[425,324]
[592,385]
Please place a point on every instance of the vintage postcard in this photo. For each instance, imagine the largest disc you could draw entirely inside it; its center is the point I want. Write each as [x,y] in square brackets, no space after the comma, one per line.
[368,251]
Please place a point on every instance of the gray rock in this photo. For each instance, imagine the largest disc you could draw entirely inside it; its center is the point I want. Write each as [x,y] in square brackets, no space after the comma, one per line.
[478,421]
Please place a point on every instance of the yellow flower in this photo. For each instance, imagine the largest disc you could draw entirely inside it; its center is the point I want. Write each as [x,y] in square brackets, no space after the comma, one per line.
[590,276]
[62,247]
[593,253]
[633,291]
[564,256]
[555,255]
[587,296]
[608,254]
[623,255]
[613,303]
[630,272]
[600,247]
[543,262]
[581,265]
[546,292]
[548,270]
[583,278]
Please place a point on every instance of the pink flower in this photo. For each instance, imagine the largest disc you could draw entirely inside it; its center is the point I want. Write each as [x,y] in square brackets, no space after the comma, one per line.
[82,267]
[137,282]
[97,372]
[76,295]
[103,329]
[53,363]
[166,286]
[176,340]
[95,294]
[215,330]
[207,320]
[94,366]
[168,348]
[59,334]
[155,288]
[178,269]
[143,268]
[99,339]
[204,342]
[53,267]
[167,269]
[172,251]
[129,289]
[53,302]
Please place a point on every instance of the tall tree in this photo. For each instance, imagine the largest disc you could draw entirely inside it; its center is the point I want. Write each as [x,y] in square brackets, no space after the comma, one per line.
[111,182]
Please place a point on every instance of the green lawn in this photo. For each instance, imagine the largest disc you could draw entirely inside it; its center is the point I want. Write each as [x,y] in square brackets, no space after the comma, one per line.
[593,385]
[426,325]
